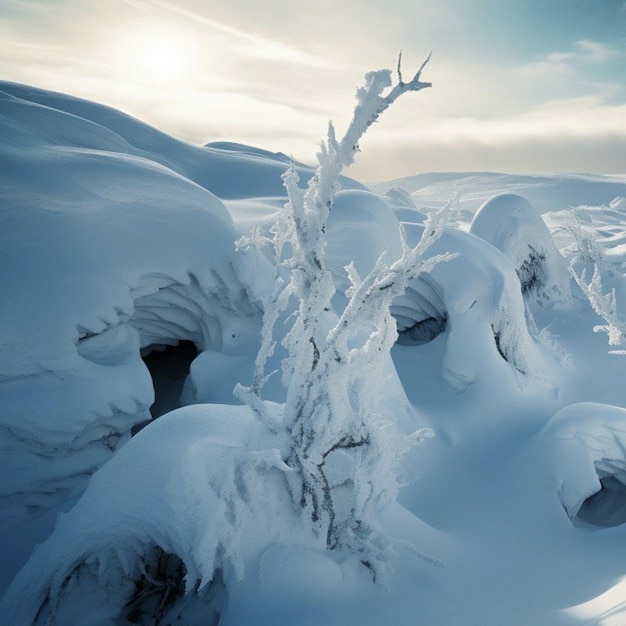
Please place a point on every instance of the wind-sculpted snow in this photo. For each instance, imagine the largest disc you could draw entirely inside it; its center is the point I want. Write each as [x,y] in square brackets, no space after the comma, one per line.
[102,252]
[194,499]
[585,447]
[487,333]
[475,299]
[227,169]
[118,242]
[511,224]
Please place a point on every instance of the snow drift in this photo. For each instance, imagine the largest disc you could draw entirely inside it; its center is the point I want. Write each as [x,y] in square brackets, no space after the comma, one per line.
[153,510]
[585,445]
[103,253]
[511,224]
[474,300]
[118,243]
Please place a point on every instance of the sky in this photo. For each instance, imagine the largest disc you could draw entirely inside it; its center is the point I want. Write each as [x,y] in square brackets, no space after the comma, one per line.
[528,86]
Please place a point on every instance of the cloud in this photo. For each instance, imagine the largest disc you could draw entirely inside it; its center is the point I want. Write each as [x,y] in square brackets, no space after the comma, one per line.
[570,135]
[247,44]
[584,51]
[532,155]
[584,54]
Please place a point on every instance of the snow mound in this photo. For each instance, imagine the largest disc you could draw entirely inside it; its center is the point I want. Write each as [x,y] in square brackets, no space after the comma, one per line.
[585,445]
[159,528]
[104,251]
[361,227]
[511,224]
[475,298]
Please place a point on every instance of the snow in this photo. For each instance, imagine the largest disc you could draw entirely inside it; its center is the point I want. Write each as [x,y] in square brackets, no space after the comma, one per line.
[585,443]
[512,225]
[192,502]
[546,192]
[117,239]
[478,294]
[95,263]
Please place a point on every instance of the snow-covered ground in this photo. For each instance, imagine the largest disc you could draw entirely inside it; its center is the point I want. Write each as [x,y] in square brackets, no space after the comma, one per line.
[548,192]
[117,242]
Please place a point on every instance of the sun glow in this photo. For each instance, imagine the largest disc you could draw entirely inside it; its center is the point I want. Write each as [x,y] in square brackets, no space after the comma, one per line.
[154,54]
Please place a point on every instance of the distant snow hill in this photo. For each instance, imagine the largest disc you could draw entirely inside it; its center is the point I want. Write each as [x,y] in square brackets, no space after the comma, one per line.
[547,192]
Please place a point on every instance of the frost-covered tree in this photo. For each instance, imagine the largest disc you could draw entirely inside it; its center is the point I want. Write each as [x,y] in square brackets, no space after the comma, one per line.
[604,304]
[585,249]
[342,450]
[586,254]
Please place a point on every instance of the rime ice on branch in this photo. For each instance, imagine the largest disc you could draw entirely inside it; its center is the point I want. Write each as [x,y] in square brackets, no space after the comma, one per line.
[344,455]
[604,304]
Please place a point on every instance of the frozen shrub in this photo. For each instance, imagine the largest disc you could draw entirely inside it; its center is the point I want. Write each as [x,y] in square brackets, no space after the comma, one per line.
[604,304]
[343,451]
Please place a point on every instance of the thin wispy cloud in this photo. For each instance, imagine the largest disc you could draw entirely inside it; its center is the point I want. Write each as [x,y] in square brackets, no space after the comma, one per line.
[583,55]
[585,116]
[13,8]
[246,43]
[584,51]
[580,134]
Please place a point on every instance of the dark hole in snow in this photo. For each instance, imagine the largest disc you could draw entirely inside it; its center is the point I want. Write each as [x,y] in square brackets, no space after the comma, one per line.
[159,596]
[169,367]
[606,507]
[496,336]
[422,332]
[498,340]
[420,313]
[532,272]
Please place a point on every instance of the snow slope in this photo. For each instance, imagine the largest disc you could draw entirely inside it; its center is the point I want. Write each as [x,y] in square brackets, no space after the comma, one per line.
[547,192]
[116,239]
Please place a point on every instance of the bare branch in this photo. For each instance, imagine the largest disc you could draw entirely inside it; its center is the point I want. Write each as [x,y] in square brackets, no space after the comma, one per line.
[422,66]
[414,85]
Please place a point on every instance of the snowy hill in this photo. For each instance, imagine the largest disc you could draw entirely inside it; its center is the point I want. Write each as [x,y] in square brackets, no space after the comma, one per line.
[132,306]
[548,192]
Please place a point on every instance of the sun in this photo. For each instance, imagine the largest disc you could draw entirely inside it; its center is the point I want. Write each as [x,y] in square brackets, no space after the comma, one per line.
[154,54]
[160,54]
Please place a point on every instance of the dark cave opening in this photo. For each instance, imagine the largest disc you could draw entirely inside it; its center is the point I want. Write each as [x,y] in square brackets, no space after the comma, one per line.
[169,367]
[607,507]
[422,332]
[160,595]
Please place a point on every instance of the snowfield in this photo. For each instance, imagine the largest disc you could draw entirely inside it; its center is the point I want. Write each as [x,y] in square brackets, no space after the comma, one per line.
[484,479]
